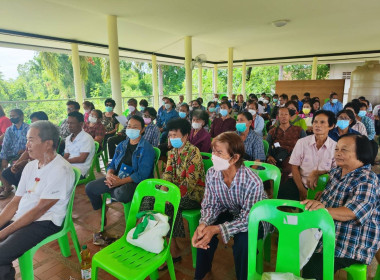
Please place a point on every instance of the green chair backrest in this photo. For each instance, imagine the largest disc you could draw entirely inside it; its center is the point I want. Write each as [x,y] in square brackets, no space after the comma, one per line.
[69,210]
[289,226]
[148,187]
[266,147]
[327,100]
[157,153]
[270,172]
[321,185]
[207,162]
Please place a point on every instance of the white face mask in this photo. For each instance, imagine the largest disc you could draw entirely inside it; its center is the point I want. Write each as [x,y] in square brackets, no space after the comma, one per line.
[168,106]
[265,101]
[91,119]
[196,125]
[219,163]
[131,108]
[253,112]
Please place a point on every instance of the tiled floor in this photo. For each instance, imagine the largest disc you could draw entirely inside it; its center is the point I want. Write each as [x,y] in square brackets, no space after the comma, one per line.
[50,264]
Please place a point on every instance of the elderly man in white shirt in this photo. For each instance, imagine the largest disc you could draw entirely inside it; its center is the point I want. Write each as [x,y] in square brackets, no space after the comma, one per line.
[80,146]
[39,206]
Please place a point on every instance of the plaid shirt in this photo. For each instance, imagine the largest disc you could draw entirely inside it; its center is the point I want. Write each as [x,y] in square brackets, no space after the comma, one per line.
[64,129]
[359,191]
[254,147]
[152,134]
[96,130]
[245,190]
[14,141]
[370,126]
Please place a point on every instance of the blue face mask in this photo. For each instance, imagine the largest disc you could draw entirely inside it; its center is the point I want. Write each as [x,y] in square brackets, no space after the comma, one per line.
[176,142]
[108,109]
[182,115]
[223,112]
[241,127]
[362,113]
[212,109]
[132,133]
[343,124]
[334,100]
[142,108]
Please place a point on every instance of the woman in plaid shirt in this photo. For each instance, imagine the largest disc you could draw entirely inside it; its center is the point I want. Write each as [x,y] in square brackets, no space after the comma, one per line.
[352,197]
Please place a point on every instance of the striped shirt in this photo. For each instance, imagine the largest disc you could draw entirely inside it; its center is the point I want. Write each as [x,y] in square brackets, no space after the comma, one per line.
[370,126]
[254,147]
[245,190]
[14,141]
[358,191]
[152,134]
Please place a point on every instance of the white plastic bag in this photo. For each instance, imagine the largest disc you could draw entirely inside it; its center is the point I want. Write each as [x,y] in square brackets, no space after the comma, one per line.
[150,233]
[309,239]
[281,276]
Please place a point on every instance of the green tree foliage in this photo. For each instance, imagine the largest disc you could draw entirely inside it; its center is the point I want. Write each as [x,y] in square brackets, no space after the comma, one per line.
[303,72]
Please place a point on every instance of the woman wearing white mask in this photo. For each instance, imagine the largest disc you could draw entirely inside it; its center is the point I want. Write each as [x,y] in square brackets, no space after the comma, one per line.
[87,107]
[94,127]
[199,136]
[253,143]
[184,168]
[257,121]
[132,163]
[225,122]
[231,191]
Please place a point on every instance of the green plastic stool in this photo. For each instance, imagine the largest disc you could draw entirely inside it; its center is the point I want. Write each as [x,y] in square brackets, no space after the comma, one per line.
[26,260]
[126,206]
[91,175]
[356,272]
[125,261]
[377,276]
[192,217]
[289,226]
[321,185]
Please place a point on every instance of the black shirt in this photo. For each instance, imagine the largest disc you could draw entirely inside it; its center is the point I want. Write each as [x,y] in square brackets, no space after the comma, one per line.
[127,159]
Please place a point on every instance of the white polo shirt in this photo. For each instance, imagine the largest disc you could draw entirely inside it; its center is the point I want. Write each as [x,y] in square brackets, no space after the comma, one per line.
[53,181]
[83,143]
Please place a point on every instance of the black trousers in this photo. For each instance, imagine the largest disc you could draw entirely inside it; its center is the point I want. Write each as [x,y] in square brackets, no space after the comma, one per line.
[12,178]
[289,190]
[240,251]
[113,142]
[95,189]
[314,268]
[16,244]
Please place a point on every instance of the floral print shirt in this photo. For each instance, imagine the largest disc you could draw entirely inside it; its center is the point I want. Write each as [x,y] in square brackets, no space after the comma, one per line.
[186,171]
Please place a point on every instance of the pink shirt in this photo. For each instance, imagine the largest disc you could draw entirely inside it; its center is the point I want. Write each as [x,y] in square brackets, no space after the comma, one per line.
[306,155]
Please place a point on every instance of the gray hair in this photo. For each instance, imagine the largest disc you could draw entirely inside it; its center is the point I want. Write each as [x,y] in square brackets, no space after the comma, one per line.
[47,131]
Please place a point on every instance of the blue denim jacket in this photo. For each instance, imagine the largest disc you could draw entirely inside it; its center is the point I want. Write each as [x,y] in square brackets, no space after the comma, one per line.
[142,159]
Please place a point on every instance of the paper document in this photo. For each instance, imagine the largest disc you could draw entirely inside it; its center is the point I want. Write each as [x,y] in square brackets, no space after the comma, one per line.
[122,120]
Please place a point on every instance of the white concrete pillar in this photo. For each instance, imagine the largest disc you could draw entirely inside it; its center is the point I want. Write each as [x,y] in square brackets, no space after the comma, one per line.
[230,72]
[200,80]
[76,71]
[113,47]
[281,73]
[314,68]
[243,79]
[155,82]
[160,84]
[215,79]
[188,70]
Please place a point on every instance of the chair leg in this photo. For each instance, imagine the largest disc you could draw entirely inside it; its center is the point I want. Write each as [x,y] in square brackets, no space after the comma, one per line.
[154,275]
[169,262]
[26,266]
[74,238]
[105,196]
[97,165]
[94,271]
[64,245]
[192,227]
[356,272]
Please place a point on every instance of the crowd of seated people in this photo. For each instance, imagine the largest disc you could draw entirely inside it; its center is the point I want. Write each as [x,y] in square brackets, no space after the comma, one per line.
[306,140]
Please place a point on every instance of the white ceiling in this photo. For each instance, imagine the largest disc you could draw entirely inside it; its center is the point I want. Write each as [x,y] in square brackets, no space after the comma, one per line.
[159,26]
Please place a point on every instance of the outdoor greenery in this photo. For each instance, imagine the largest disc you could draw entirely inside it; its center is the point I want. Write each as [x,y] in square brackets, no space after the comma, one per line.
[49,76]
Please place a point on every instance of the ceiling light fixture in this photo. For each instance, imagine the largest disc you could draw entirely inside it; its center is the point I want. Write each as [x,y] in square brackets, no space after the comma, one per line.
[280,23]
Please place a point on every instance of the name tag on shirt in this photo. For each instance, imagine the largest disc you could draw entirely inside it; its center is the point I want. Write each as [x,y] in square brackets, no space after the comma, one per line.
[277,145]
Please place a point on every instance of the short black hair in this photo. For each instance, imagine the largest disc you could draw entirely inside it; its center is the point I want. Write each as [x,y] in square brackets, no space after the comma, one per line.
[110,100]
[89,104]
[363,104]
[19,112]
[284,96]
[182,125]
[186,106]
[140,119]
[330,116]
[332,94]
[349,114]
[306,94]
[227,103]
[74,103]
[200,100]
[294,97]
[292,102]
[361,98]
[40,115]
[353,105]
[274,95]
[99,113]
[247,115]
[196,100]
[77,115]
[364,148]
[143,102]
[210,103]
[151,111]
[133,101]
[201,114]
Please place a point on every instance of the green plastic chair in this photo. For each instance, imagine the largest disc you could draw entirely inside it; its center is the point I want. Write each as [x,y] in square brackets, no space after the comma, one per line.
[125,261]
[100,153]
[192,217]
[157,157]
[356,272]
[265,132]
[321,185]
[59,143]
[91,175]
[266,147]
[290,225]
[377,276]
[207,162]
[26,260]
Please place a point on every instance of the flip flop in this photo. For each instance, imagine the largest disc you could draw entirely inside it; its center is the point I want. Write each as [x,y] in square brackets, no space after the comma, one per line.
[175,260]
[5,194]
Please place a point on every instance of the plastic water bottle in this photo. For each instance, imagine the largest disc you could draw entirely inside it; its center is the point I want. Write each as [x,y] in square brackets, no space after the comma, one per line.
[86,263]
